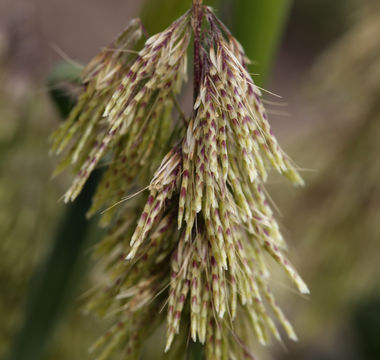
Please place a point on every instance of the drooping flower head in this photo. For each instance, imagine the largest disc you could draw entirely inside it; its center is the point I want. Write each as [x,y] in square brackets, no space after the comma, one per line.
[124,111]
[199,247]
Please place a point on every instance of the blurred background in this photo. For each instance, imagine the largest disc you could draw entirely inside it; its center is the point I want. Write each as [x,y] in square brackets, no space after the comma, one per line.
[322,57]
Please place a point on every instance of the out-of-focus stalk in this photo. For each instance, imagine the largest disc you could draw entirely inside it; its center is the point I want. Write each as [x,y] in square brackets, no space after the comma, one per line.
[55,280]
[259,25]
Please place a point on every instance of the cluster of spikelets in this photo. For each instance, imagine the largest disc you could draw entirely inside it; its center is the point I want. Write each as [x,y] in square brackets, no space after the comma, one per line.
[197,249]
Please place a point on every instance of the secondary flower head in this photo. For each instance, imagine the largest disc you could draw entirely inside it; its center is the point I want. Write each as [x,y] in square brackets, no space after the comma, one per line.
[200,245]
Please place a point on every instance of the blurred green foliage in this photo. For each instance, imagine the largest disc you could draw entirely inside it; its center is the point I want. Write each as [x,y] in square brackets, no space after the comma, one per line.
[55,280]
[335,218]
[259,26]
[321,21]
[366,325]
[26,197]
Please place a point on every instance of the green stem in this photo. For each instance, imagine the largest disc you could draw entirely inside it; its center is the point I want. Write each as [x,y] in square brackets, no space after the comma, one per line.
[259,26]
[54,283]
[195,351]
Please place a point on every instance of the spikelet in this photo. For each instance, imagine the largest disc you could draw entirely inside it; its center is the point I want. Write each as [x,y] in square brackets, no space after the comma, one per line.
[199,244]
[131,112]
[78,134]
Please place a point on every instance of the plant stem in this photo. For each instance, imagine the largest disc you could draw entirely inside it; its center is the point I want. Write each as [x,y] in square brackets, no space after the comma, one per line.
[54,282]
[195,350]
[197,24]
[266,20]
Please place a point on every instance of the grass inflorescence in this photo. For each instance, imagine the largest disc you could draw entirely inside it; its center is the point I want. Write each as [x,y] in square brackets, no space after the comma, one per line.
[198,245]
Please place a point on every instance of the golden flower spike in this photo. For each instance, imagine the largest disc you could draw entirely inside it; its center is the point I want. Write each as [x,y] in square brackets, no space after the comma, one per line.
[201,244]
